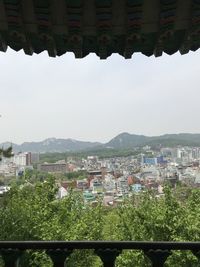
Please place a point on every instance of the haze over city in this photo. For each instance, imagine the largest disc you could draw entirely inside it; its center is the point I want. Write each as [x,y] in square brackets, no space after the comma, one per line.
[95,100]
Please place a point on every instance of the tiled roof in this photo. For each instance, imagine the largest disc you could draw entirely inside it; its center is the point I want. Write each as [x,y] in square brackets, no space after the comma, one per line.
[100,26]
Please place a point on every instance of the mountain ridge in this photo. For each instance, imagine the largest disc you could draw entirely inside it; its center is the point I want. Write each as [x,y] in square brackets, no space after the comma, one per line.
[121,141]
[52,145]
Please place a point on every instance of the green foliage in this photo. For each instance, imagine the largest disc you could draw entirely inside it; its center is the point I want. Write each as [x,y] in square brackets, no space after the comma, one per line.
[101,153]
[159,219]
[34,176]
[78,175]
[32,212]
[7,153]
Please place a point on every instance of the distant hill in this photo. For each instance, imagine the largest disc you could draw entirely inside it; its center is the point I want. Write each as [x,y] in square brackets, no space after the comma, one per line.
[53,145]
[120,142]
[126,140]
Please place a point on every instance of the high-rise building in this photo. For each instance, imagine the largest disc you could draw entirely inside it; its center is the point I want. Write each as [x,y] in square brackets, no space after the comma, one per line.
[22,159]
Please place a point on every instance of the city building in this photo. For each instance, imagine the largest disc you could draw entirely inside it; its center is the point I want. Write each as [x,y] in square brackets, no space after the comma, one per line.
[96,186]
[53,167]
[22,159]
[122,185]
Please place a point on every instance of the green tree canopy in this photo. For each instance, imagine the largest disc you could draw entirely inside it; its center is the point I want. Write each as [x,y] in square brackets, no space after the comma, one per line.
[32,212]
[7,153]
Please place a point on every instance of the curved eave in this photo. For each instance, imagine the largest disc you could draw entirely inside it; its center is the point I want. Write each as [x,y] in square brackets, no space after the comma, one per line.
[100,26]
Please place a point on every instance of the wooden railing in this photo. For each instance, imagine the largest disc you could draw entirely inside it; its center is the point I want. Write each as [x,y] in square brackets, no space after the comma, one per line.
[58,251]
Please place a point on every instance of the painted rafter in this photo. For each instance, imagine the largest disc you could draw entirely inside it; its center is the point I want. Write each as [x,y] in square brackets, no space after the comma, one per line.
[100,26]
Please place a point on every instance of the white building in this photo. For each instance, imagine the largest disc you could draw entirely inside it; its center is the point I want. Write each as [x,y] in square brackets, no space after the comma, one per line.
[62,192]
[22,159]
[122,185]
[109,183]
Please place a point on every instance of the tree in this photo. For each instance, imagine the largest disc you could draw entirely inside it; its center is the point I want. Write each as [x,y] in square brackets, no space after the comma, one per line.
[32,212]
[7,153]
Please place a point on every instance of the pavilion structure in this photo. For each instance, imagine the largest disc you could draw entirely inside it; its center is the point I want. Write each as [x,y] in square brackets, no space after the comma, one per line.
[103,27]
[100,26]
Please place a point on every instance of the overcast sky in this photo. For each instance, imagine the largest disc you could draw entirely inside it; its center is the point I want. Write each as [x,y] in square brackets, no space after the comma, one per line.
[92,99]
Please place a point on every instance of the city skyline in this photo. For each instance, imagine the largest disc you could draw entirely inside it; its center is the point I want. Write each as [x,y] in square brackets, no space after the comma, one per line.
[95,100]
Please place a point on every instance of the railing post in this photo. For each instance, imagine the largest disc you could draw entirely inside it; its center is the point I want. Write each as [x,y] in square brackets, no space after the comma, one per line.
[157,257]
[58,256]
[10,257]
[108,256]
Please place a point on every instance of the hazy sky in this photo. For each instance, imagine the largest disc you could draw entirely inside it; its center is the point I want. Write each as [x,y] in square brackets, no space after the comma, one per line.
[93,99]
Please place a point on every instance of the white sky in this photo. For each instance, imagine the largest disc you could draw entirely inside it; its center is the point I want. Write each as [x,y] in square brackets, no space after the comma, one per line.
[92,99]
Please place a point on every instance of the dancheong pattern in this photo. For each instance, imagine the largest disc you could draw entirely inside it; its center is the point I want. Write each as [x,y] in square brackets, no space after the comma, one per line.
[103,27]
